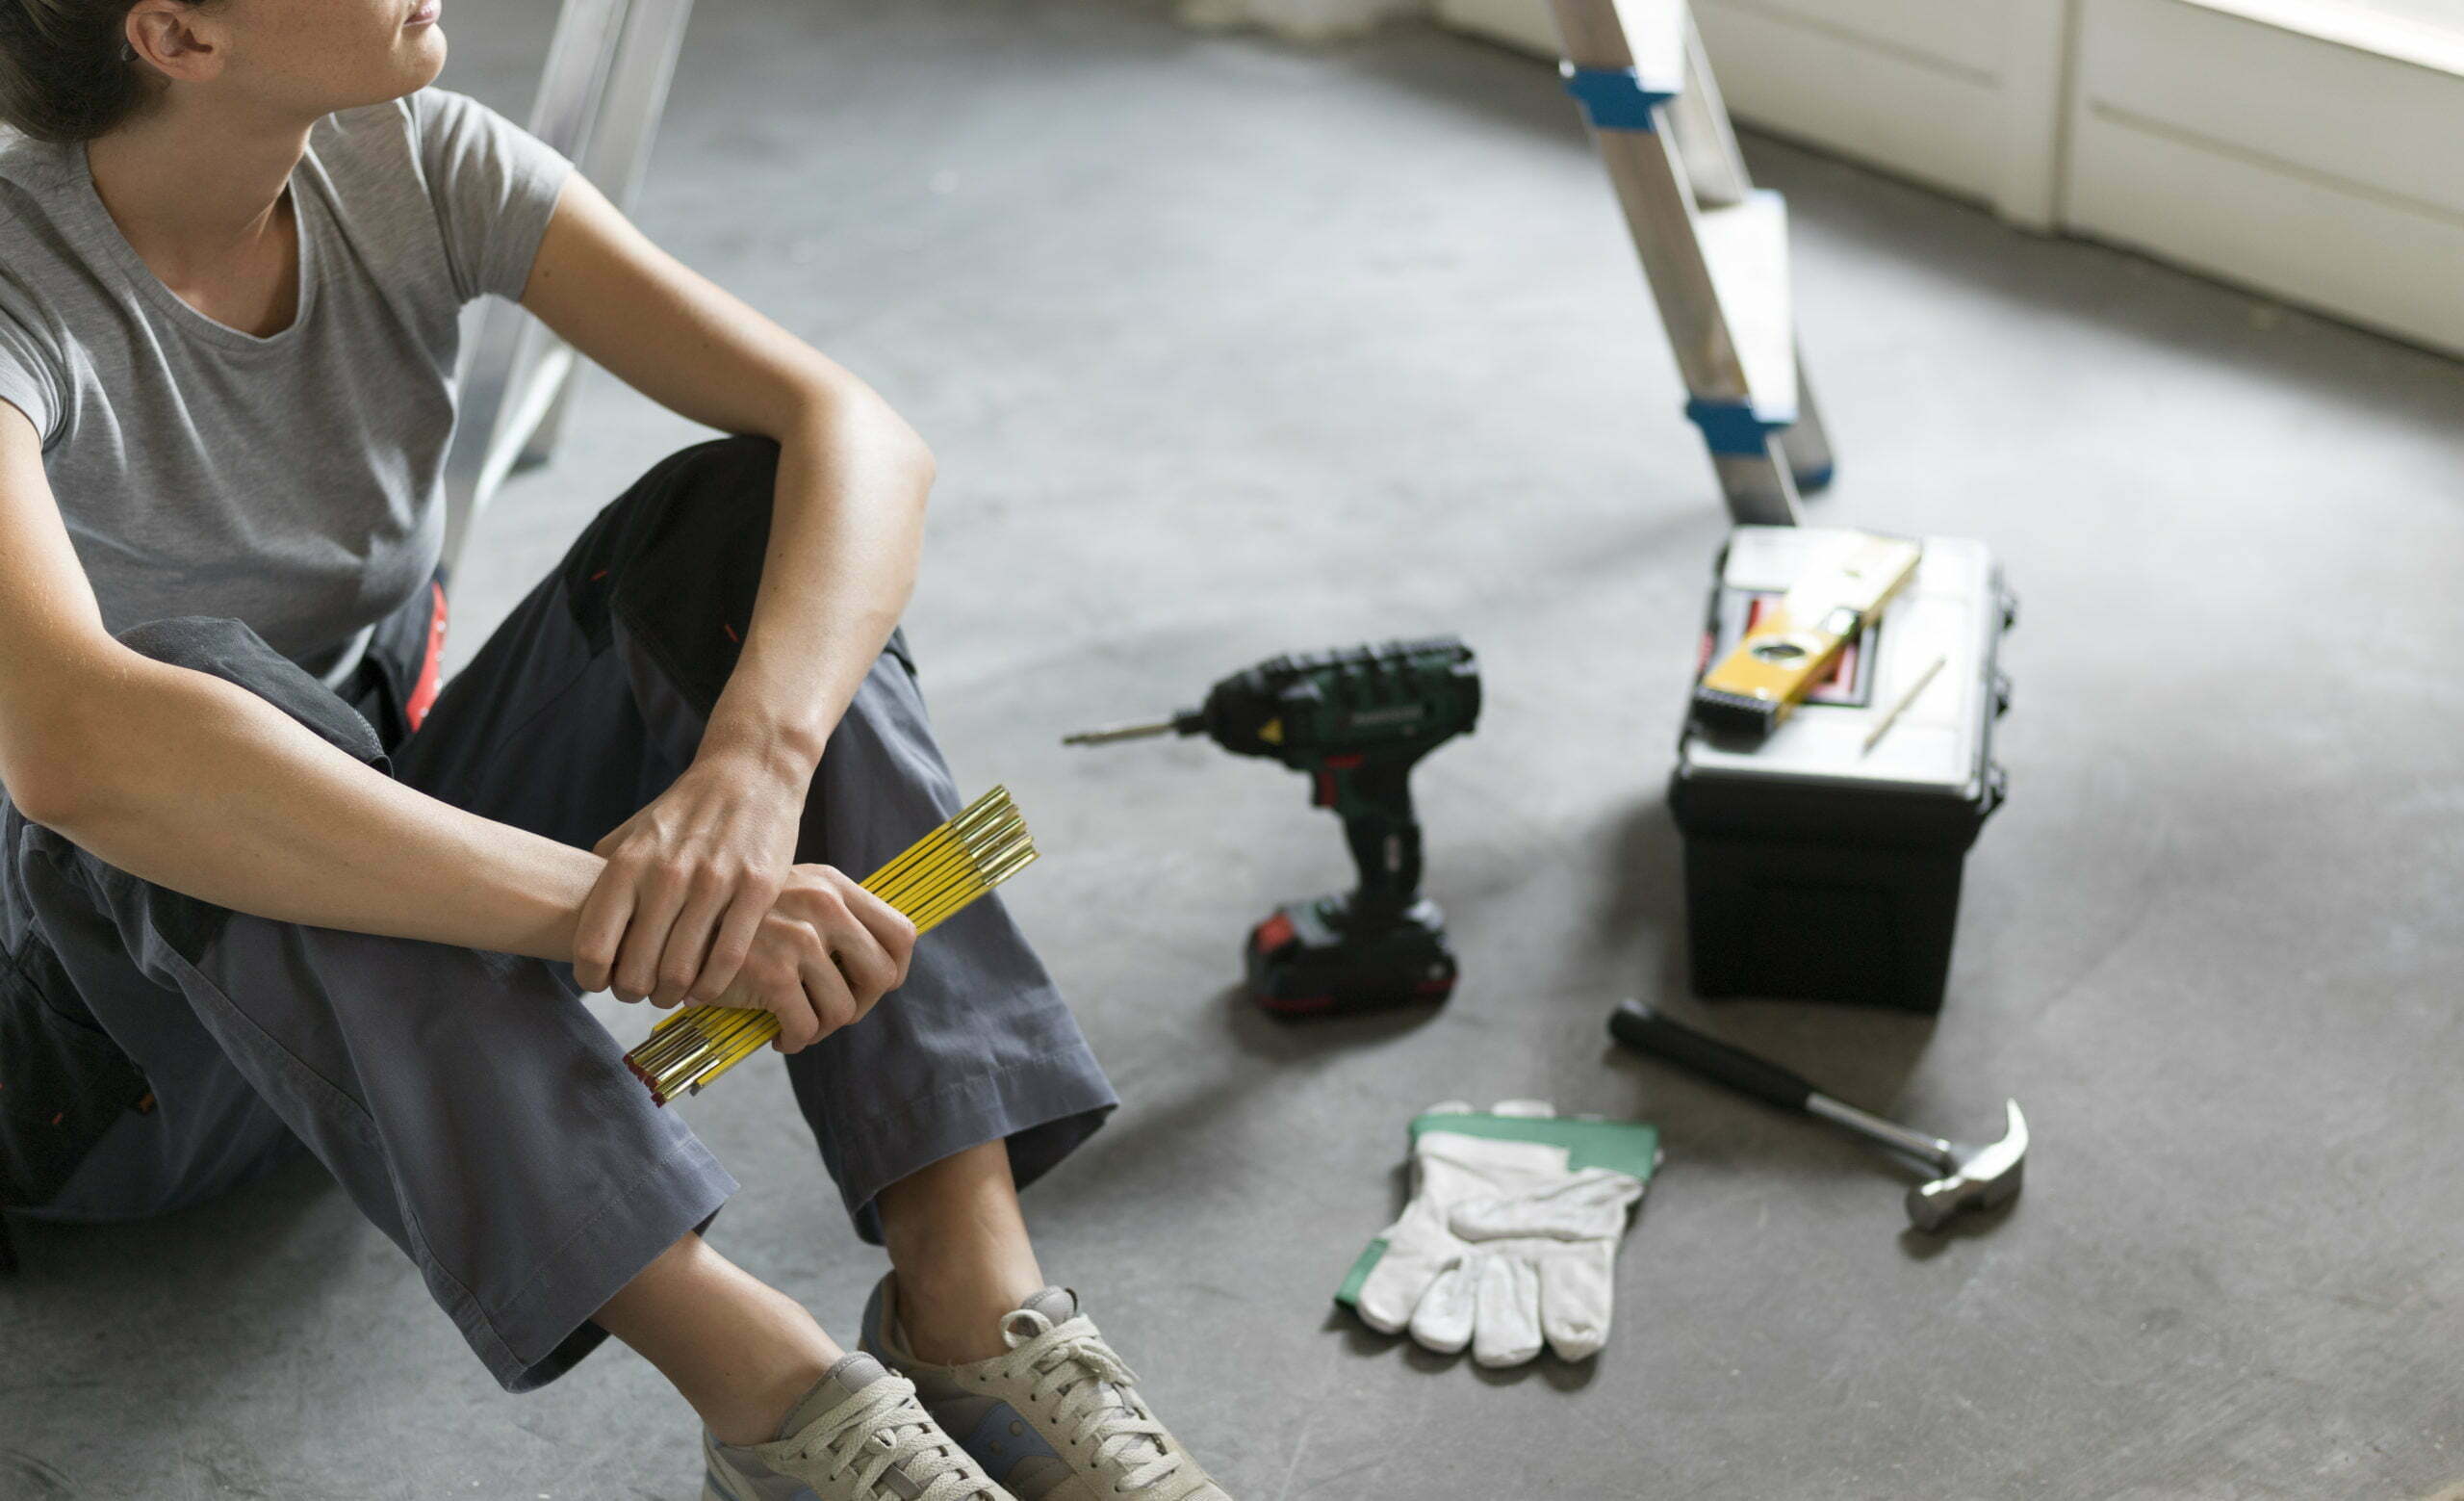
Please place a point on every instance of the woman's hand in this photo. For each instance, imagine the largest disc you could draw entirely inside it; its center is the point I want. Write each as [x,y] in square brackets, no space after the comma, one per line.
[710,855]
[825,952]
[689,881]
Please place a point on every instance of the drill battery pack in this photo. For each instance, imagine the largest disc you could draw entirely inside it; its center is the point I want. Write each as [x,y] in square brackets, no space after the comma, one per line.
[1308,959]
[1824,864]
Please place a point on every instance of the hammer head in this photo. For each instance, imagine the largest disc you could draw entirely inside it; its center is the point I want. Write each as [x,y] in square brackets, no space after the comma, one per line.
[1984,1178]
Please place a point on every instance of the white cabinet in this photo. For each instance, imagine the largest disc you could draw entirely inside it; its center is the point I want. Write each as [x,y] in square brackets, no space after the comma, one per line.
[1963,96]
[2312,149]
[2326,172]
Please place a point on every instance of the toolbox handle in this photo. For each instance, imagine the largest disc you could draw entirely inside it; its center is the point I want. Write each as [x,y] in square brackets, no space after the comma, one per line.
[1638,1026]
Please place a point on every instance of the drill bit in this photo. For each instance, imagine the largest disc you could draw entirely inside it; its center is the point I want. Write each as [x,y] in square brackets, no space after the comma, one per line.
[1128,732]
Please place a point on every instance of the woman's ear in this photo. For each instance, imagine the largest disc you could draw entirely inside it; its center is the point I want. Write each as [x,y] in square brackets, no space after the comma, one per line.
[175,39]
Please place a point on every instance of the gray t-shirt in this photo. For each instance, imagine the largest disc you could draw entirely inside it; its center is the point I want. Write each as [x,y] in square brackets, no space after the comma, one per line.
[294,482]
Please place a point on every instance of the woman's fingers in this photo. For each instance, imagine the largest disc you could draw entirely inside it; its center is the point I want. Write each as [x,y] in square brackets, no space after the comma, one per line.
[829,1007]
[798,1013]
[846,916]
[870,972]
[656,905]
[819,955]
[734,942]
[685,956]
[889,929]
[599,934]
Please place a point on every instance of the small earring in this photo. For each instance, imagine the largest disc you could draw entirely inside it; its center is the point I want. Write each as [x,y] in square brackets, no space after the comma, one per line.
[128,52]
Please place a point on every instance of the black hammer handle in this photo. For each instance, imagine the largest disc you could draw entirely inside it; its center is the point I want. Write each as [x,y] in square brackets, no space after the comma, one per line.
[1638,1026]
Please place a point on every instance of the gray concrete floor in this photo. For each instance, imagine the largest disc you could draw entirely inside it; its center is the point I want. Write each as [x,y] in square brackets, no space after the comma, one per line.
[1228,347]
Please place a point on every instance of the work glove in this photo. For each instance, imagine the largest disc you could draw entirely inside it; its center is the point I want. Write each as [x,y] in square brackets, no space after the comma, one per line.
[1511,1233]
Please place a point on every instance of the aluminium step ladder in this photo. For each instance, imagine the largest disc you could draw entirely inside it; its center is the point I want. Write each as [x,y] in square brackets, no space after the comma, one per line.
[601,95]
[1713,246]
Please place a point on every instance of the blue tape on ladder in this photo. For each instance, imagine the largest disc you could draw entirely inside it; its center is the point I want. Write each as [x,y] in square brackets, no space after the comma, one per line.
[1613,98]
[1735,428]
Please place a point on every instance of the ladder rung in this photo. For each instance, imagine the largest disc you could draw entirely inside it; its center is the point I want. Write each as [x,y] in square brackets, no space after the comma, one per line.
[1655,32]
[1746,247]
[1645,36]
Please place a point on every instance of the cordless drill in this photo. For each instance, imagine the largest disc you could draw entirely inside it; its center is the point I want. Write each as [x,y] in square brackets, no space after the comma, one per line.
[1356,720]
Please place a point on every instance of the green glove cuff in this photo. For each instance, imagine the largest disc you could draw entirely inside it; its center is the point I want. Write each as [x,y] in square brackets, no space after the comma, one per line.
[1627,1146]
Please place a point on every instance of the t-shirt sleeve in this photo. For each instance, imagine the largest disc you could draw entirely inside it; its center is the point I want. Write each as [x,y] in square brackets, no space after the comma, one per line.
[494,187]
[30,369]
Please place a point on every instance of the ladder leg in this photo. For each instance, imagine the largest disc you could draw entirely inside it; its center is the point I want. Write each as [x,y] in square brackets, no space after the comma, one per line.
[1700,119]
[1715,250]
[1759,488]
[1660,214]
[632,97]
[600,95]
[1805,441]
[1708,141]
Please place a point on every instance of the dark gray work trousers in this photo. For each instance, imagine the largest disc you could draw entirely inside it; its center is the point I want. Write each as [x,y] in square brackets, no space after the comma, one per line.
[467,1101]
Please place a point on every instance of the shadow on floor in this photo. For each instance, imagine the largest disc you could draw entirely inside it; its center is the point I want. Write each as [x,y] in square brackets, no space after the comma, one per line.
[141,1290]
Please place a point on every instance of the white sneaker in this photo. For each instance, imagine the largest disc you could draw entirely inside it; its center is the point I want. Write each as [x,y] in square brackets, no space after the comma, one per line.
[857,1436]
[1057,1418]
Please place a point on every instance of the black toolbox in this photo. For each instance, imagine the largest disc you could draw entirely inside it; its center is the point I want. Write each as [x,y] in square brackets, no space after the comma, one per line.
[1817,869]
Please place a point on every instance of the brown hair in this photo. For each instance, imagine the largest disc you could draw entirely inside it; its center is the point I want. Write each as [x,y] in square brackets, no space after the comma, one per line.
[65,70]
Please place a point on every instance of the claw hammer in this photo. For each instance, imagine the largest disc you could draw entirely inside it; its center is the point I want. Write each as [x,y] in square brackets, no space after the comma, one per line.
[1972,1177]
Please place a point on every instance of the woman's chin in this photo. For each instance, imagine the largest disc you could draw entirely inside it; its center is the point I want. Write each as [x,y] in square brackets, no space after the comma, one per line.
[424,58]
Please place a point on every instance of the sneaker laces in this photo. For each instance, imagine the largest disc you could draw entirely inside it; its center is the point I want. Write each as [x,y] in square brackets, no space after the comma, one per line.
[871,1435]
[1090,1385]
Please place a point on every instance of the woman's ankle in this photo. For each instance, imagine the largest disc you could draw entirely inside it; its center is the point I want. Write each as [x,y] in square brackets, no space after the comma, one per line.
[957,1322]
[960,1243]
[754,1412]
[739,1351]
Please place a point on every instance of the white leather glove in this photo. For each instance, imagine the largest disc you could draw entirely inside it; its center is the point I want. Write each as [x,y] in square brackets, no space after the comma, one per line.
[1511,1233]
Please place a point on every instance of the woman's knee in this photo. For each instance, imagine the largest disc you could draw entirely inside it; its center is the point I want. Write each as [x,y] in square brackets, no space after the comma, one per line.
[744,464]
[677,559]
[706,498]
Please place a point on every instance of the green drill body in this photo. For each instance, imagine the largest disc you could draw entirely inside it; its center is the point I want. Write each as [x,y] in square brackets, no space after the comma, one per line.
[1355,720]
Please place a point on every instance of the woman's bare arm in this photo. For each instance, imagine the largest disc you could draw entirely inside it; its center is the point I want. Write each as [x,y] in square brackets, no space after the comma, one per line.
[689,877]
[193,784]
[847,523]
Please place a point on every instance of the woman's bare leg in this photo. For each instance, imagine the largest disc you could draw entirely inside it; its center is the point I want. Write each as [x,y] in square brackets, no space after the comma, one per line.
[960,1247]
[740,1352]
